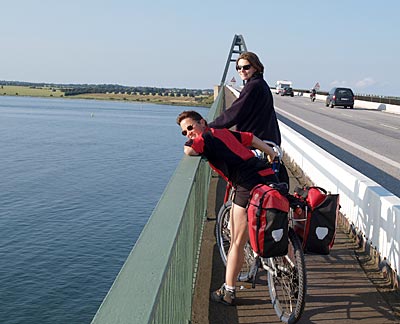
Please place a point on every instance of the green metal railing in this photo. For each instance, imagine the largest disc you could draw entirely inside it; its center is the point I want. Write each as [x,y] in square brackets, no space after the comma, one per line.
[155,285]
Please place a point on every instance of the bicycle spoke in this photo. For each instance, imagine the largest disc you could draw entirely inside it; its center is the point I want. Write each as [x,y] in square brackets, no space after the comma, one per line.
[287,282]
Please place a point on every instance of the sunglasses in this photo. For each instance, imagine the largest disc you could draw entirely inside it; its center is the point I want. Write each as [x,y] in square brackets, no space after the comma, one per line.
[244,67]
[189,128]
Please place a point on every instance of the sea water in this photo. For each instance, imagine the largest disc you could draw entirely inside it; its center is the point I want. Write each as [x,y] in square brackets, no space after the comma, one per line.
[78,181]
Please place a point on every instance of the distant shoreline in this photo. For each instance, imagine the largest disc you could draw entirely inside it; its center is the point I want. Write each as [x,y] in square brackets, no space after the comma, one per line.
[49,92]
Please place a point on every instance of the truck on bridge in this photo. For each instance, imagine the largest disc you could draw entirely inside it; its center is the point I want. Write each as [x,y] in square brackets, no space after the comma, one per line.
[279,85]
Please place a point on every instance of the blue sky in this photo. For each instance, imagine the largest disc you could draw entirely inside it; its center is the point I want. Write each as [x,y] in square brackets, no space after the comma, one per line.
[185,44]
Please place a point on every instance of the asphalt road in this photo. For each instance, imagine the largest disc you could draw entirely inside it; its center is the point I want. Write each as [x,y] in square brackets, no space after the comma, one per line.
[367,140]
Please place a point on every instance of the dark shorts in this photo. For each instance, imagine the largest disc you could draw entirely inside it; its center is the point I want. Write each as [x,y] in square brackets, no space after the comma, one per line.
[242,194]
[241,197]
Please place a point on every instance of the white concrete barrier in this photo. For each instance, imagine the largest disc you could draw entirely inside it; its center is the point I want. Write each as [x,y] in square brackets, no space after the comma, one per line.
[372,210]
[234,91]
[394,109]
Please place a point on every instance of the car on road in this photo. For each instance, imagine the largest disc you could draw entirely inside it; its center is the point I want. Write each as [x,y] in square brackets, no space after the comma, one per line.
[340,97]
[287,91]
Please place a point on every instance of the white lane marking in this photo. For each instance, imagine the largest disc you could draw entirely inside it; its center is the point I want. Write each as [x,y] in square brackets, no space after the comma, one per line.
[358,147]
[389,126]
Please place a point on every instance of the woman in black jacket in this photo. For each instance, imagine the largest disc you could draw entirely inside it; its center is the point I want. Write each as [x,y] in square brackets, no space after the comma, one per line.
[254,110]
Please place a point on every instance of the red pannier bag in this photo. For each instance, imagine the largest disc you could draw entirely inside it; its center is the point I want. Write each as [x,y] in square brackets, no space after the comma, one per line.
[319,215]
[267,214]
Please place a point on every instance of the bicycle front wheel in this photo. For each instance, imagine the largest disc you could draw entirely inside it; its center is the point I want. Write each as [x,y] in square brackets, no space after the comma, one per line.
[223,231]
[287,281]
[223,236]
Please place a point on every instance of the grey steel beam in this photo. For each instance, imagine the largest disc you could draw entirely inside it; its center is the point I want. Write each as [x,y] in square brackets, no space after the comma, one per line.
[239,43]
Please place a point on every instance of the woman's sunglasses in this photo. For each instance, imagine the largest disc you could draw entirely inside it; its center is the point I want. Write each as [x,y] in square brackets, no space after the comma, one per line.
[244,67]
[188,129]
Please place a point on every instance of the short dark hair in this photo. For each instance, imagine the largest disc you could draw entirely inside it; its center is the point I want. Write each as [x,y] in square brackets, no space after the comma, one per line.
[189,114]
[253,59]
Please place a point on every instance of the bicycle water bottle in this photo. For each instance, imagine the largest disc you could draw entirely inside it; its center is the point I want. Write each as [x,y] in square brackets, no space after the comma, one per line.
[275,165]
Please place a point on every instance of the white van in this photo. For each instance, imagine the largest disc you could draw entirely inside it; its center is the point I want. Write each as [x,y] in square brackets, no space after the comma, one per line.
[281,84]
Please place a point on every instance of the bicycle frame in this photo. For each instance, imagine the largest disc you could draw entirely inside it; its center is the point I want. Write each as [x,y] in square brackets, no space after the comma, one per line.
[274,269]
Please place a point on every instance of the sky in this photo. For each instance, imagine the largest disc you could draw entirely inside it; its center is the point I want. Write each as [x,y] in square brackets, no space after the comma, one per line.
[185,44]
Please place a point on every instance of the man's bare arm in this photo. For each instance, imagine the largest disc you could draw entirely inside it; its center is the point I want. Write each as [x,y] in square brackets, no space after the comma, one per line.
[259,144]
[189,151]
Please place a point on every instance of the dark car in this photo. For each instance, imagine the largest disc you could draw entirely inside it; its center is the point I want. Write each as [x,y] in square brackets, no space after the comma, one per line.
[340,97]
[287,91]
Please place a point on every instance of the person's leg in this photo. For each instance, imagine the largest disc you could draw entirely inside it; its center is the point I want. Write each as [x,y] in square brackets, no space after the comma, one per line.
[239,237]
[235,257]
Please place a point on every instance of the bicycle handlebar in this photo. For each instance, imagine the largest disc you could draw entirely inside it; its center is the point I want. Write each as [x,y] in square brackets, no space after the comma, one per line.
[275,147]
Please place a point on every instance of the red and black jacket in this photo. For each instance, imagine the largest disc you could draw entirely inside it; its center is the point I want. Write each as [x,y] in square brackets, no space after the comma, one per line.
[228,154]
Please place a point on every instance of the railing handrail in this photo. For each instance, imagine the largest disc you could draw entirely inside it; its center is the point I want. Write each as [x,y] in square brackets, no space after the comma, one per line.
[155,285]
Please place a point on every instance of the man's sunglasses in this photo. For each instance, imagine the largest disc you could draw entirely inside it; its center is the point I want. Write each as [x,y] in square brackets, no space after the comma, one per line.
[244,67]
[189,128]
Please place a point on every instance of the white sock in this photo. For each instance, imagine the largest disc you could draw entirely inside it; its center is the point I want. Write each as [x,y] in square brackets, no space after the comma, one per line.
[230,288]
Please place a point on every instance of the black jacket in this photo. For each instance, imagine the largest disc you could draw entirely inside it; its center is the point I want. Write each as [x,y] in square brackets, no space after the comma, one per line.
[252,112]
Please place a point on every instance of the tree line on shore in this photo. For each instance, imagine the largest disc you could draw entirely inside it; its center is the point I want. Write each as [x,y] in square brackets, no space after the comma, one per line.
[75,89]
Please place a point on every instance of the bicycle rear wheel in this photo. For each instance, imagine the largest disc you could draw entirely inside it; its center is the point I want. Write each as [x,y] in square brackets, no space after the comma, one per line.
[287,281]
[223,235]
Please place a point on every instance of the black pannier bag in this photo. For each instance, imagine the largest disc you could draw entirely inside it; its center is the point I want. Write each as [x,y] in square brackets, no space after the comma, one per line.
[267,214]
[320,213]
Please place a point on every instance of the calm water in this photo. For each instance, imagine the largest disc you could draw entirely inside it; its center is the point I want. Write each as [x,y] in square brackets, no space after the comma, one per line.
[78,181]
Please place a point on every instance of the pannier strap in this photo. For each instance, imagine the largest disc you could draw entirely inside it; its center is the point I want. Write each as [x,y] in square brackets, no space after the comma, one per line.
[266,172]
[303,192]
[259,208]
[258,214]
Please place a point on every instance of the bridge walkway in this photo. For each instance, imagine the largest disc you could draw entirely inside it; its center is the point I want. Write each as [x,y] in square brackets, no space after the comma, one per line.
[339,290]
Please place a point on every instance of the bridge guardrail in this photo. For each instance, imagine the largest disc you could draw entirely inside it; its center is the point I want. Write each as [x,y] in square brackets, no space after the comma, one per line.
[358,103]
[155,284]
[372,211]
[391,100]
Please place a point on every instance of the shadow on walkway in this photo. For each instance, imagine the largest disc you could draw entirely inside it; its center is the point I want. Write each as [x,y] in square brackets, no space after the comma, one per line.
[338,289]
